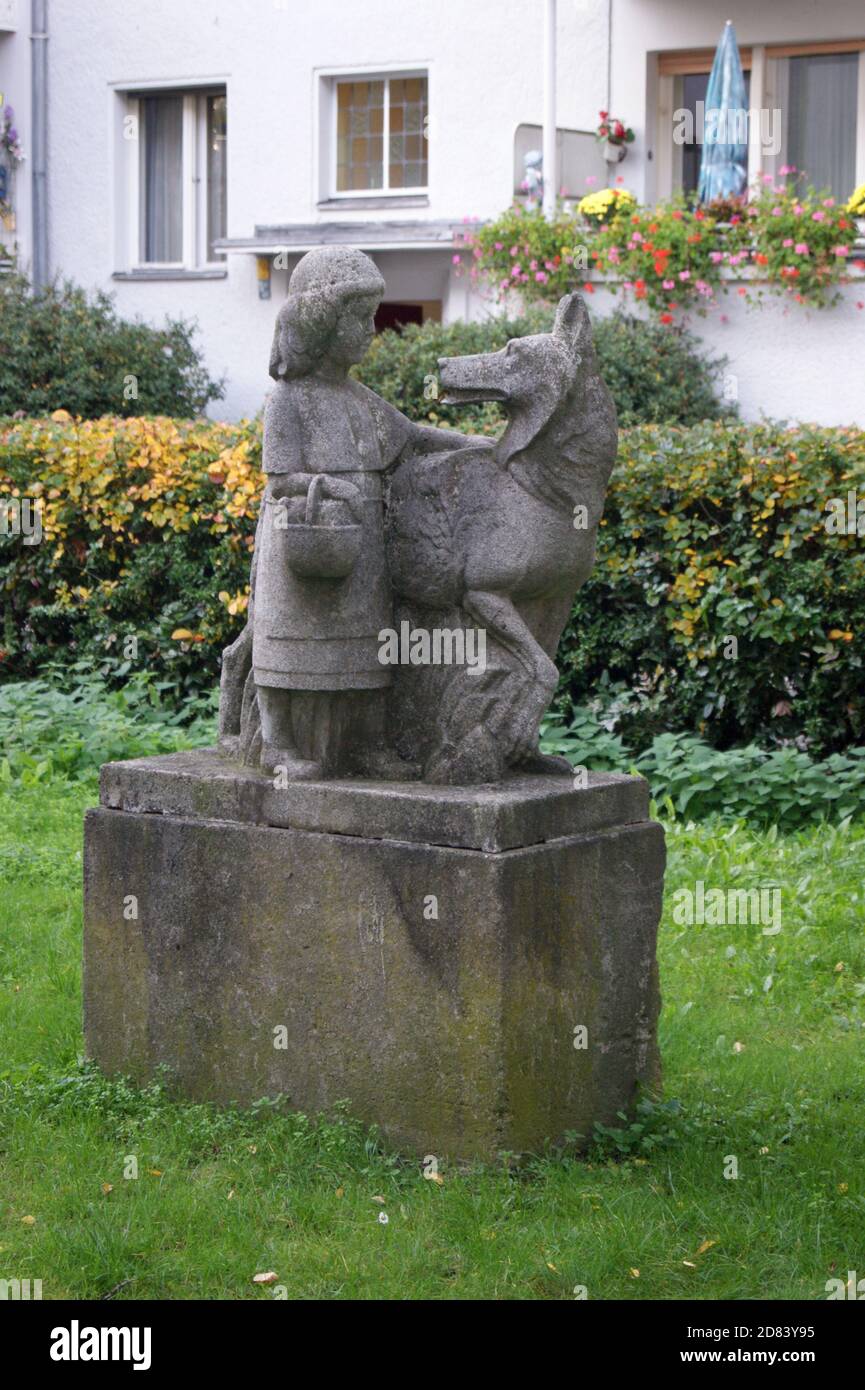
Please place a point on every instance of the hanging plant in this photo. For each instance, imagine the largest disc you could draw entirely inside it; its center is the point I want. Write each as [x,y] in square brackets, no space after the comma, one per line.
[10,140]
[798,243]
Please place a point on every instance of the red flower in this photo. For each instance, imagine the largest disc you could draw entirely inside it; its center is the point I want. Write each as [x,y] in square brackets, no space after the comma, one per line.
[619,129]
[760,258]
[676,215]
[666,318]
[603,115]
[604,130]
[589,287]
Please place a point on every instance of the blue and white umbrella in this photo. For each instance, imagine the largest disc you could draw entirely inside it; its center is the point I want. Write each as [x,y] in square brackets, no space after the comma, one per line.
[724,165]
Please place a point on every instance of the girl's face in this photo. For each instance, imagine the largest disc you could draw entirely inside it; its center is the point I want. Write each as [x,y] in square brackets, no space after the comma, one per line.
[355,329]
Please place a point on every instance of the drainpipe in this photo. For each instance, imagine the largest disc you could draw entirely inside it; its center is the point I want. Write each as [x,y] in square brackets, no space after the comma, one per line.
[39,139]
[551,173]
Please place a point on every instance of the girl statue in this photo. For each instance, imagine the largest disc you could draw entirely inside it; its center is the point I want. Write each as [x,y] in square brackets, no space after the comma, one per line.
[303,690]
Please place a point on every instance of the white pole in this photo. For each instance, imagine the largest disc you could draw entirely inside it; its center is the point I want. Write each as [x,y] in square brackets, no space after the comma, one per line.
[551,173]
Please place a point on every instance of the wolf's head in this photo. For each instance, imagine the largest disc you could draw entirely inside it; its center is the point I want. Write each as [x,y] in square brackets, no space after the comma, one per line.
[561,432]
[543,365]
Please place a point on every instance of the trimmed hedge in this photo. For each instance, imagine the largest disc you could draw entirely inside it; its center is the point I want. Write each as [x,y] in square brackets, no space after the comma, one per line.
[710,534]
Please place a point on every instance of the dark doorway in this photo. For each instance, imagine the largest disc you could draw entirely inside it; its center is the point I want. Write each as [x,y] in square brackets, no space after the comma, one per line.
[395,315]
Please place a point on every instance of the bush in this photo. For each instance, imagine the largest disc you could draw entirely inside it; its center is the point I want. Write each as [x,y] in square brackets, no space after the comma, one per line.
[48,730]
[654,374]
[148,528]
[719,603]
[781,786]
[65,350]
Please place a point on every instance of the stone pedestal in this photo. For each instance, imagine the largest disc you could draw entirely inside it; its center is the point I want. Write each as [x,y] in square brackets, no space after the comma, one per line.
[429,954]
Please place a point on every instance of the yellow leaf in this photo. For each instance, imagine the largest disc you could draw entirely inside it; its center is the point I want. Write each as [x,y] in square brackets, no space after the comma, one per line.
[340,1192]
[552,1267]
[28,1221]
[634,1273]
[181,634]
[839,967]
[268,1278]
[155,1172]
[107,1187]
[707,1245]
[842,1187]
[379,1199]
[689,1263]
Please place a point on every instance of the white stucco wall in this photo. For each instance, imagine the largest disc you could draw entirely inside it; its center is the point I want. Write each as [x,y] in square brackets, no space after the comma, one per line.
[484,59]
[786,362]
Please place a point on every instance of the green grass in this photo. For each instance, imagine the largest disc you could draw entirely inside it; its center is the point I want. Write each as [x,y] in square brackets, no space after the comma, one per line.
[221,1196]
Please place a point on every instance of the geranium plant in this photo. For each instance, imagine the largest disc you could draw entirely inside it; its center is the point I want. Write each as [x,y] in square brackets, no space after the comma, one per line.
[613,131]
[799,242]
[524,251]
[666,257]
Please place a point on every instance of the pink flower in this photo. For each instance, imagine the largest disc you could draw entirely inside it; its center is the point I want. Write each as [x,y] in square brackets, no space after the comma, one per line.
[787,169]
[591,179]
[788,241]
[828,202]
[498,246]
[767,178]
[777,212]
[533,265]
[801,248]
[541,277]
[455,260]
[716,257]
[798,209]
[515,270]
[684,274]
[669,284]
[818,216]
[514,251]
[840,250]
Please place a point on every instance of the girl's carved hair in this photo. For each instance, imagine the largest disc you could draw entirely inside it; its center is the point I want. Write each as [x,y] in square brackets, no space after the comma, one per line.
[323,282]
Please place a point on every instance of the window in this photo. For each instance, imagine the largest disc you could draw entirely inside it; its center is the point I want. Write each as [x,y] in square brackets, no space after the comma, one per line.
[381,134]
[689,90]
[179,183]
[820,125]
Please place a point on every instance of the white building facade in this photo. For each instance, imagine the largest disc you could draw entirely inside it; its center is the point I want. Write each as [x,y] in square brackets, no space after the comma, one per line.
[193,149]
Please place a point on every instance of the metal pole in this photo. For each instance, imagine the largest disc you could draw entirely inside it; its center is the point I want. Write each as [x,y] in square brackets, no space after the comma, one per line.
[551,173]
[39,116]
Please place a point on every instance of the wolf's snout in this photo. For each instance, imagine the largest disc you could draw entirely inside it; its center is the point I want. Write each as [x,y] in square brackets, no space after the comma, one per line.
[479,377]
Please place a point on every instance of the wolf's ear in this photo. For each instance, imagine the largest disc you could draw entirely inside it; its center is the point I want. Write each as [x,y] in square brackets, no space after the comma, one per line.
[572,321]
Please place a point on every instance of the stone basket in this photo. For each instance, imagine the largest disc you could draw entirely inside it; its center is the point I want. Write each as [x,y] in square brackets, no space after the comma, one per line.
[316,551]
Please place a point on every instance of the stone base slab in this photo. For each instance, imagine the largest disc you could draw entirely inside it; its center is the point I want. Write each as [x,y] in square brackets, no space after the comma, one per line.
[408,957]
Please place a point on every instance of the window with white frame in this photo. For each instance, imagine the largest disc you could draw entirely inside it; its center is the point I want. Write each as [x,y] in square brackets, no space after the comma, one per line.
[380,135]
[177,178]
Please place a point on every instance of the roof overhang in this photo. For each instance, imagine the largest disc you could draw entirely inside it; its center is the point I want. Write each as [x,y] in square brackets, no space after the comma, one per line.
[295,238]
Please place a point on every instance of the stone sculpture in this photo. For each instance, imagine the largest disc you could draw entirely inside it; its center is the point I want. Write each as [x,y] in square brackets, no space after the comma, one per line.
[370,520]
[377,889]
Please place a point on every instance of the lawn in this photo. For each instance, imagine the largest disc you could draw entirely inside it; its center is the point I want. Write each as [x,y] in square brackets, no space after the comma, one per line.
[762,1042]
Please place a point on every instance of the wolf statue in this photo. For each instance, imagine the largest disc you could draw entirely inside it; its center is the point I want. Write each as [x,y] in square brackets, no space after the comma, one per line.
[372,524]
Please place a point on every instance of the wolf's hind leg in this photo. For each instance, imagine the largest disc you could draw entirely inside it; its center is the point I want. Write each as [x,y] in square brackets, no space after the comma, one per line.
[498,615]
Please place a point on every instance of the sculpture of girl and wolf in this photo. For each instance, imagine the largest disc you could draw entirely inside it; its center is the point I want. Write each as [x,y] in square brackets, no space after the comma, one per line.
[369,518]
